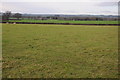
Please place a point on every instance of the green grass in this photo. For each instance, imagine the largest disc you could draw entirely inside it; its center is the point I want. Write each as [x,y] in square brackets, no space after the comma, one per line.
[63,21]
[59,51]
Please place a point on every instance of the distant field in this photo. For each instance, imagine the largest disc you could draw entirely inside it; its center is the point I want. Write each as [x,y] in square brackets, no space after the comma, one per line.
[63,21]
[59,51]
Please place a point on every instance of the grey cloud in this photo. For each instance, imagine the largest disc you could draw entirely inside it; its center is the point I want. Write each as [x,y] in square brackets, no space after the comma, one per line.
[61,7]
[109,12]
[27,7]
[108,4]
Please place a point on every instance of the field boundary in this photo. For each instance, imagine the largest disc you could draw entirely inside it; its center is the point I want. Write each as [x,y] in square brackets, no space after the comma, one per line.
[59,23]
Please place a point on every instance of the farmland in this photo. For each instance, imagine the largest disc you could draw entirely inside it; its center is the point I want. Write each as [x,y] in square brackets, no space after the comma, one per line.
[59,51]
[66,21]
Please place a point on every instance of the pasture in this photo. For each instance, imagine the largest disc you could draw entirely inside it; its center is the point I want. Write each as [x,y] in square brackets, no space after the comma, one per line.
[66,21]
[59,51]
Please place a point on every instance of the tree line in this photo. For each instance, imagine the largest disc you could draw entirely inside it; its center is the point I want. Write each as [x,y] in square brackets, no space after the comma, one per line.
[8,16]
[73,18]
[17,16]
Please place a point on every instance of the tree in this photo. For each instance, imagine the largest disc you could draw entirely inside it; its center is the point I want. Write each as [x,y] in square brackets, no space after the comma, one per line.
[17,15]
[6,16]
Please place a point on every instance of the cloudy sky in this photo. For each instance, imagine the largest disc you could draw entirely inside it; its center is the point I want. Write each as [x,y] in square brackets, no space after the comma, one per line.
[96,7]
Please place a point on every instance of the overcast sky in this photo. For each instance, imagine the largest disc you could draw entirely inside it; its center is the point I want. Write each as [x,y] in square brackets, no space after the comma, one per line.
[96,7]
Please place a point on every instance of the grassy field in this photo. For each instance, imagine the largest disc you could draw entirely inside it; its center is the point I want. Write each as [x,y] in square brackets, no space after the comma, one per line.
[59,51]
[63,21]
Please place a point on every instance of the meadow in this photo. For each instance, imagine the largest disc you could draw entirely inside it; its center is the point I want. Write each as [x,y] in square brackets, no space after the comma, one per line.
[59,51]
[66,21]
